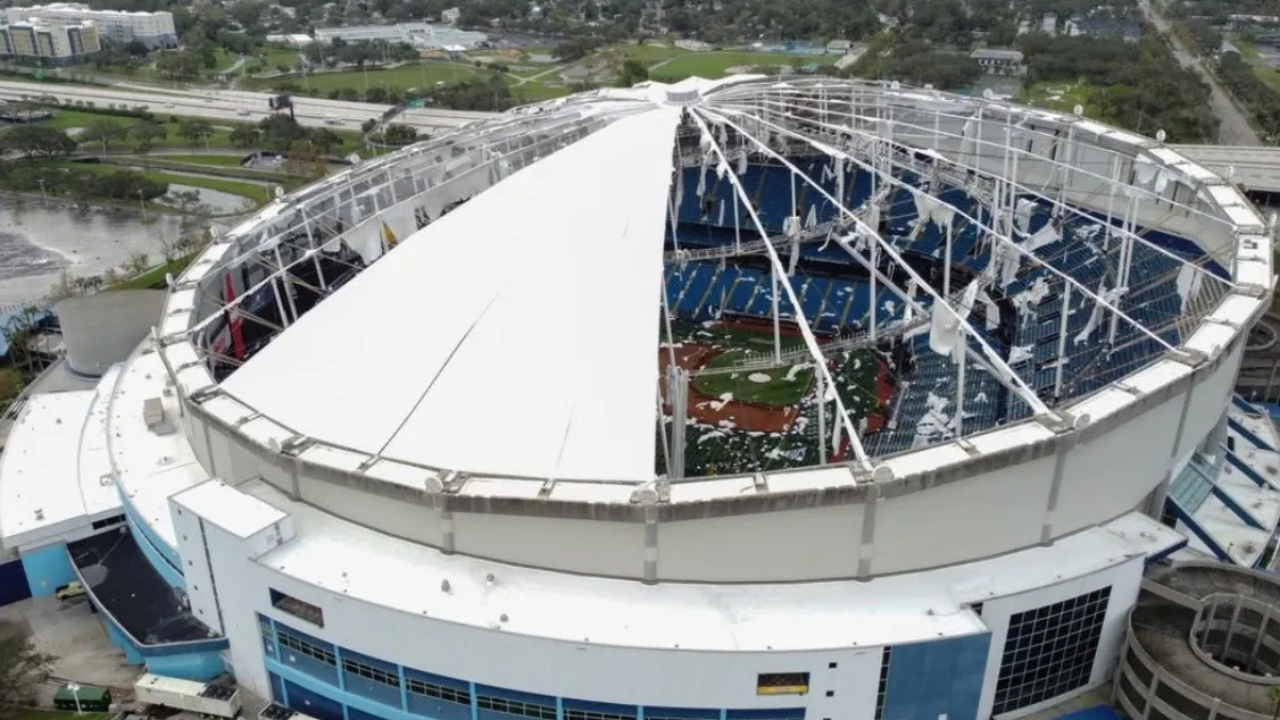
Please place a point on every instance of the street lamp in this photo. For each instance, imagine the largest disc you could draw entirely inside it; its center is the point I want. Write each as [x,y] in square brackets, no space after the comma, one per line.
[75,693]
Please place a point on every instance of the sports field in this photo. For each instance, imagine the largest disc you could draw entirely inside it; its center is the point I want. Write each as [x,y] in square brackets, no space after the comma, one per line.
[756,418]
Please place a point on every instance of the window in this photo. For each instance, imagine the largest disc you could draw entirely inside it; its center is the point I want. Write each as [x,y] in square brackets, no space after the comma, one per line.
[782,683]
[1049,651]
[108,522]
[593,715]
[882,689]
[440,692]
[515,707]
[369,672]
[297,608]
[302,647]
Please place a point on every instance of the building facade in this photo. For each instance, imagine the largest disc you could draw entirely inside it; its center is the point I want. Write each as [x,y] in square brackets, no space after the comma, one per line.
[49,43]
[153,29]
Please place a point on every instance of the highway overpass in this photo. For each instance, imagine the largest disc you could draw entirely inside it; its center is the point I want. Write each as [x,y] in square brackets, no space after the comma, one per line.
[1255,168]
[239,106]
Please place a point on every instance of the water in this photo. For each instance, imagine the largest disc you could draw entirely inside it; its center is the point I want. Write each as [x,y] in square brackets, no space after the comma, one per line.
[39,242]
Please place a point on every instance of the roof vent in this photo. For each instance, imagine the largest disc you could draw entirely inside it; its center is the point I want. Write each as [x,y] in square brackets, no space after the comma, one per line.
[682,97]
[154,415]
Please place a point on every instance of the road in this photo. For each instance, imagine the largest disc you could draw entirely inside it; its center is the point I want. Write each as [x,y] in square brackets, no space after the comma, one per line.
[240,106]
[1234,126]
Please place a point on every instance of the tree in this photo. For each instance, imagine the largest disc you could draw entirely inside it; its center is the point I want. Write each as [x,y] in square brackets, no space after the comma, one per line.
[145,134]
[37,141]
[11,385]
[397,134]
[195,130]
[246,136]
[323,140]
[633,71]
[103,131]
[178,66]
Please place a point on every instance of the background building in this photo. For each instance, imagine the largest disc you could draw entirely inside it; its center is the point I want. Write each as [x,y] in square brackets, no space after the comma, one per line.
[54,43]
[153,29]
[423,36]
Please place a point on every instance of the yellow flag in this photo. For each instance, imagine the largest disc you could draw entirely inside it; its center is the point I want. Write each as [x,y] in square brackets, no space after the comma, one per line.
[389,236]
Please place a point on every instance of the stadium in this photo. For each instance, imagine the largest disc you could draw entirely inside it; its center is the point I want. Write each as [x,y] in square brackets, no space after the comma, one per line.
[727,400]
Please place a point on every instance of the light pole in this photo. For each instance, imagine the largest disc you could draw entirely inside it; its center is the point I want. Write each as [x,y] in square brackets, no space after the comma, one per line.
[142,203]
[75,693]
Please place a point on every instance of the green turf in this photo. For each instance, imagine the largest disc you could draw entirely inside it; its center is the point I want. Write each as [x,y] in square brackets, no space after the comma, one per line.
[711,450]
[777,387]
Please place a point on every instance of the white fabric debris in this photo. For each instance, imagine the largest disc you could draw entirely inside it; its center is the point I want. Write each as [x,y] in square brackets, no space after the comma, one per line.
[1188,283]
[1046,235]
[1095,318]
[1022,215]
[991,309]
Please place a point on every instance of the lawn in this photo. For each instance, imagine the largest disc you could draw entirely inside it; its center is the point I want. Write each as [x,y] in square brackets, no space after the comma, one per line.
[717,64]
[58,715]
[1265,73]
[1059,96]
[147,280]
[538,91]
[781,386]
[257,193]
[223,161]
[68,119]
[650,53]
[419,75]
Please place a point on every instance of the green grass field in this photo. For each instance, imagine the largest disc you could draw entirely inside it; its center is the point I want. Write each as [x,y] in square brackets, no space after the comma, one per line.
[776,386]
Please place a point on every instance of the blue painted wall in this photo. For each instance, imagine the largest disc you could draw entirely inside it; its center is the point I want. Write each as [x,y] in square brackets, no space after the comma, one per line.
[200,666]
[47,568]
[162,557]
[932,678]
[13,583]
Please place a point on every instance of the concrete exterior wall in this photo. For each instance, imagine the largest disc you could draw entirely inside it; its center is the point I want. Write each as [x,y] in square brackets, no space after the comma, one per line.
[101,329]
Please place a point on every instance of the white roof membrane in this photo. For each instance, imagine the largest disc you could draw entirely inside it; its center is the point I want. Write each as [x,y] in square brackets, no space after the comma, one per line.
[454,351]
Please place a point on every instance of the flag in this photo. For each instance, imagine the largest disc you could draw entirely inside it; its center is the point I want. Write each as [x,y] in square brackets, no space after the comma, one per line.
[389,235]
